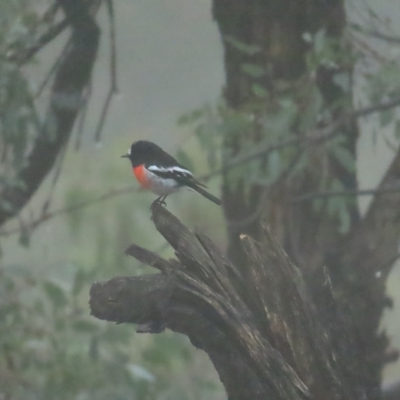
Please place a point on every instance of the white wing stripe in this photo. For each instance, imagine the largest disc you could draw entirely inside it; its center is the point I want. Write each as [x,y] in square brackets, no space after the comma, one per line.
[177,170]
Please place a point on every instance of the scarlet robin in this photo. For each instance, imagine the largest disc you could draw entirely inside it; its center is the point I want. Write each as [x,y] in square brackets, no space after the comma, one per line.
[160,173]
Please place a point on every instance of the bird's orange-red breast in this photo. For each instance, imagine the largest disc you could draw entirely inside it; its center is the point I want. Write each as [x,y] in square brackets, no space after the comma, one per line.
[141,176]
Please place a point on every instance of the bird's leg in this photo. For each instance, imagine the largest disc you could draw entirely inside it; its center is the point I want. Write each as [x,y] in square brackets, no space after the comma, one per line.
[161,200]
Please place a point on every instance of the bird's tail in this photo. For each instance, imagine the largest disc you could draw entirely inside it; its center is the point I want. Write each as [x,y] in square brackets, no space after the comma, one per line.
[207,195]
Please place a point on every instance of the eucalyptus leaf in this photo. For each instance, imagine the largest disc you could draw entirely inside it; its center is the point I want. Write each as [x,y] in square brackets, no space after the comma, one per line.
[258,90]
[300,165]
[274,165]
[318,203]
[184,159]
[249,49]
[344,216]
[314,107]
[253,70]
[94,348]
[140,372]
[55,293]
[191,117]
[85,326]
[333,201]
[319,41]
[307,37]
[344,156]
[79,282]
[343,80]
[279,123]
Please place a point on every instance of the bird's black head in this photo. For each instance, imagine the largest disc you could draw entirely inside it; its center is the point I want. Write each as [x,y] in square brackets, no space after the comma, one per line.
[142,152]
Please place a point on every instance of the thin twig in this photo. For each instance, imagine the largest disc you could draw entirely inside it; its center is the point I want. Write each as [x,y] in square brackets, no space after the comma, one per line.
[60,163]
[52,70]
[346,192]
[43,40]
[75,207]
[82,116]
[385,105]
[113,72]
[375,34]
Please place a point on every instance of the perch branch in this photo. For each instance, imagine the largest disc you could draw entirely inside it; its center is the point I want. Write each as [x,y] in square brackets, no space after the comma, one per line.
[263,343]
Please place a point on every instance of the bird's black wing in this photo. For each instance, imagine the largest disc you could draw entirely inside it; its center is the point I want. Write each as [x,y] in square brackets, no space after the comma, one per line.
[177,172]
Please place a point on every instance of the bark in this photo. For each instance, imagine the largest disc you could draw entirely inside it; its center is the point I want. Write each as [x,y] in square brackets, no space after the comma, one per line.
[66,99]
[263,343]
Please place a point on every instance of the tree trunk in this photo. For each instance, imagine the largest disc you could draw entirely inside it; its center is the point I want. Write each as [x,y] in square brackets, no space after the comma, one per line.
[271,34]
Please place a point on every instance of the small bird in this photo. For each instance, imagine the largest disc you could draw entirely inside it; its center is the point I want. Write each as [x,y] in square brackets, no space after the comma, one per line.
[159,172]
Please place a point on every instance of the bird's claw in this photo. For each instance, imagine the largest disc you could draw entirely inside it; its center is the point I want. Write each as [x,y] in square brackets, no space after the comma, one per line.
[159,201]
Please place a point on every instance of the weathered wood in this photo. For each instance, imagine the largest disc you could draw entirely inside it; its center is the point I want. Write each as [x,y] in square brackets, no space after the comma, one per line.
[260,329]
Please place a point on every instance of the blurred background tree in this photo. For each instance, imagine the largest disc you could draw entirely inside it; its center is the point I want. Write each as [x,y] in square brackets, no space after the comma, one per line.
[287,139]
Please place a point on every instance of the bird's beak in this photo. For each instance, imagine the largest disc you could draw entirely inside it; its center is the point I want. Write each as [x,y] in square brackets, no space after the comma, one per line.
[125,156]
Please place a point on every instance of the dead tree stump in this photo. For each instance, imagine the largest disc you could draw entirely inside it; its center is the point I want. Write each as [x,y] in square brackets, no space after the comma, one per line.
[260,330]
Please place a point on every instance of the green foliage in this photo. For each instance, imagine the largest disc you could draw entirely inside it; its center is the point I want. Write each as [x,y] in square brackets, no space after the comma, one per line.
[253,70]
[248,49]
[338,149]
[185,160]
[48,343]
[259,90]
[384,85]
[291,111]
[52,349]
[18,120]
[327,51]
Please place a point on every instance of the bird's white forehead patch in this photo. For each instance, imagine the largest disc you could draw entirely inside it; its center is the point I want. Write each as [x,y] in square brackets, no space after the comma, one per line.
[129,151]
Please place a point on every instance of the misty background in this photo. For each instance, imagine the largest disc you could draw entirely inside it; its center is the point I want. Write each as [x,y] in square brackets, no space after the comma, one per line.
[170,61]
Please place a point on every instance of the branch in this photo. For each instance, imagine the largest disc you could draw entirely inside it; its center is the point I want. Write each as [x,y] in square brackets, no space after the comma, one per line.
[375,34]
[71,79]
[263,343]
[384,106]
[377,236]
[315,136]
[374,239]
[346,192]
[23,57]
[45,216]
[113,71]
